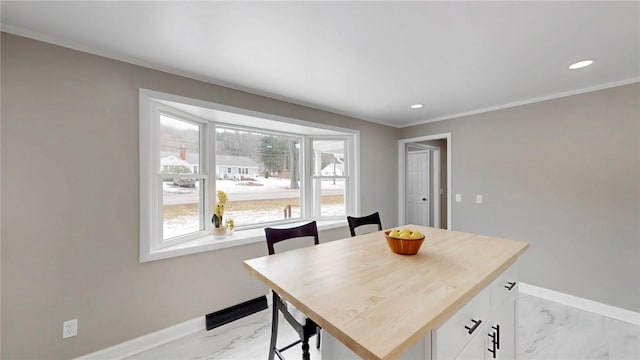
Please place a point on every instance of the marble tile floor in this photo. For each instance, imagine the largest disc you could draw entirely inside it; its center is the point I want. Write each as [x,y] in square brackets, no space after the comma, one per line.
[549,330]
[546,330]
[244,339]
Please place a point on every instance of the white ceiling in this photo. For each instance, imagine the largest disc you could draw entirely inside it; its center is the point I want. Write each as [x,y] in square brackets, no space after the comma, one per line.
[369,60]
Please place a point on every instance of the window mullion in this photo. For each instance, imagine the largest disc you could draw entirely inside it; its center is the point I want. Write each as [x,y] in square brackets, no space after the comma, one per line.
[308,191]
[210,158]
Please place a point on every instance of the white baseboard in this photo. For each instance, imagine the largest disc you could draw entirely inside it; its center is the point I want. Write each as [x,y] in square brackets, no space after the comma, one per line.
[613,312]
[169,334]
[149,341]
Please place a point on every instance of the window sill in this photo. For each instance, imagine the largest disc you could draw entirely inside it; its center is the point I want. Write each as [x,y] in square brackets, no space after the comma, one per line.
[238,238]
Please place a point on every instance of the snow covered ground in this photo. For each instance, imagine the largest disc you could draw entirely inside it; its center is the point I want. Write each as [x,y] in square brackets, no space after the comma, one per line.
[271,188]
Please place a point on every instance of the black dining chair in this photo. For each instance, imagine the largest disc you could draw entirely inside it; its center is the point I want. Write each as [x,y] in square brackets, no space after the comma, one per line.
[304,326]
[355,222]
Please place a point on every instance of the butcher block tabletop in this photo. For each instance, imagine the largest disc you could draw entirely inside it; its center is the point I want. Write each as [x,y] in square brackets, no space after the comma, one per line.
[379,303]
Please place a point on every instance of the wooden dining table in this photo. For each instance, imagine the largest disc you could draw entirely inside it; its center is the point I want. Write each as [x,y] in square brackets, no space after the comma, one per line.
[378,303]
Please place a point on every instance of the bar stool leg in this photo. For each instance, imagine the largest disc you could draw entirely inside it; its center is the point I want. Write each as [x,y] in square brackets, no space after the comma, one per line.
[274,326]
[305,349]
[318,331]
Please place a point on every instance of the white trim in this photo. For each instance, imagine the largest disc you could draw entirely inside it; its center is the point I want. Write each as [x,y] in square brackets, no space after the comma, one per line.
[434,174]
[435,184]
[162,96]
[595,307]
[149,341]
[150,197]
[401,174]
[239,238]
[147,198]
[157,240]
[349,175]
[528,101]
[355,166]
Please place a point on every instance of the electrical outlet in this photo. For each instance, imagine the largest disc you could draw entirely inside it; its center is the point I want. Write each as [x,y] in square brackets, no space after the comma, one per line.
[69,328]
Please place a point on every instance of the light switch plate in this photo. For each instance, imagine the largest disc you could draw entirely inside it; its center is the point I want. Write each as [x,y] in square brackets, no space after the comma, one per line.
[478,199]
[458,197]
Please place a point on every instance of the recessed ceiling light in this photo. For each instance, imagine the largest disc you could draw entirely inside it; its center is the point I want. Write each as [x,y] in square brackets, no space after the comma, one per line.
[416,106]
[581,64]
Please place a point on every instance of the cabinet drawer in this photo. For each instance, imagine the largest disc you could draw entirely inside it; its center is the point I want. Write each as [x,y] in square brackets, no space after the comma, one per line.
[504,287]
[453,336]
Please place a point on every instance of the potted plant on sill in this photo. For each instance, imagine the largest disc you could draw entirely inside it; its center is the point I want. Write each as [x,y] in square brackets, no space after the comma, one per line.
[219,229]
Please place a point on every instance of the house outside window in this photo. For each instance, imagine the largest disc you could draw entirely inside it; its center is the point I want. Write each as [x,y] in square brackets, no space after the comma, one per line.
[259,194]
[329,176]
[276,174]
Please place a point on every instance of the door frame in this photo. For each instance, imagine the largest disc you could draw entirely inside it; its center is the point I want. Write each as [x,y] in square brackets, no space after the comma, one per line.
[402,150]
[434,180]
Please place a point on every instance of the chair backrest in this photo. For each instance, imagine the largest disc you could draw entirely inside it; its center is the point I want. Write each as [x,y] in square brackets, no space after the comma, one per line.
[274,235]
[354,222]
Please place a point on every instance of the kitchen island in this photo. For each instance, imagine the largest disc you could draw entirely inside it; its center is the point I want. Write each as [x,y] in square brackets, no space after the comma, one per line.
[374,304]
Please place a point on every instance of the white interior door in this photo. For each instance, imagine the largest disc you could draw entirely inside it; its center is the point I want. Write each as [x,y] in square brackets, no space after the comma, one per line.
[417,188]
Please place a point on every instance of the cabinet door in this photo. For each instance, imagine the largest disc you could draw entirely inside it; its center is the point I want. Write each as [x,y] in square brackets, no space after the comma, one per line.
[504,288]
[476,348]
[462,327]
[503,329]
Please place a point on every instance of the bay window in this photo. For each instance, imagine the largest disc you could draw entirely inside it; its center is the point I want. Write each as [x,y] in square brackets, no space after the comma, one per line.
[274,171]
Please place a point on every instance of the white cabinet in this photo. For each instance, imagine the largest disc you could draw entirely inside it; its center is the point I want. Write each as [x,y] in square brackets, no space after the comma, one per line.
[462,327]
[333,349]
[474,350]
[485,327]
[502,330]
[501,339]
[503,288]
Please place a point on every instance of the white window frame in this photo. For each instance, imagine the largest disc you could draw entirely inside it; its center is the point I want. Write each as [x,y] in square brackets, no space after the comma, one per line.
[303,185]
[152,102]
[151,187]
[314,206]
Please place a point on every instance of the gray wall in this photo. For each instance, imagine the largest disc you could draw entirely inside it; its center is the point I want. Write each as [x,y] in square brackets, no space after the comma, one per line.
[70,209]
[564,175]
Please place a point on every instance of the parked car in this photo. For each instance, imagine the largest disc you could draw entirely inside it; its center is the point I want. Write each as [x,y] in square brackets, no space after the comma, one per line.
[184,182]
